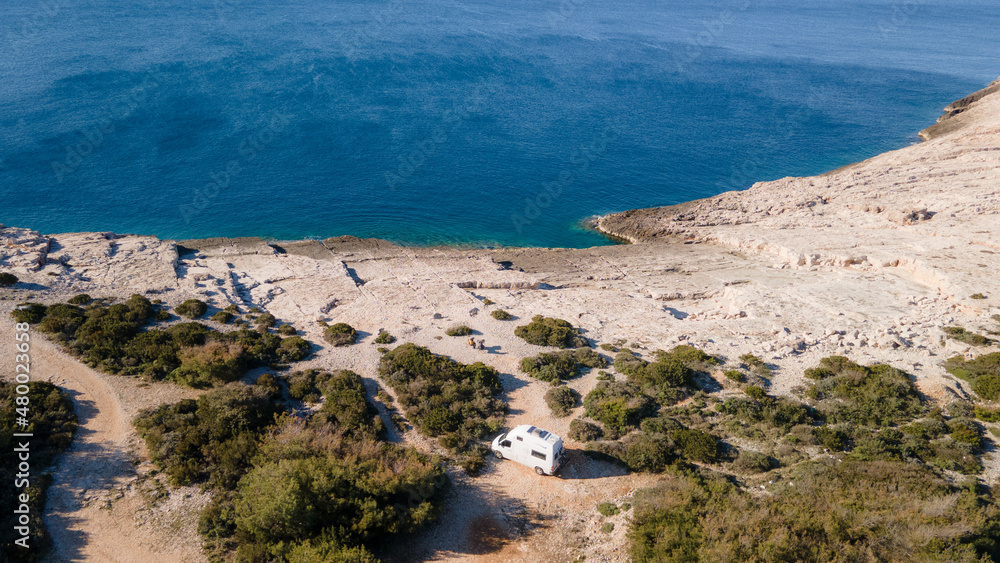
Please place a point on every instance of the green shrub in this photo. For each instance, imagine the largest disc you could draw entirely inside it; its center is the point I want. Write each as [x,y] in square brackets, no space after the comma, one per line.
[548,331]
[459,330]
[753,462]
[608,509]
[978,296]
[565,364]
[608,527]
[210,440]
[384,338]
[644,453]
[223,317]
[192,309]
[287,330]
[7,279]
[735,375]
[444,397]
[987,415]
[618,405]
[968,337]
[487,301]
[696,445]
[877,395]
[293,349]
[340,334]
[28,313]
[982,372]
[501,315]
[583,431]
[81,299]
[265,321]
[561,400]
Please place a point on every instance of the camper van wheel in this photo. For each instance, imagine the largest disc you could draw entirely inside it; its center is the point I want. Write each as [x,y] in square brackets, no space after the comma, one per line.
[498,454]
[539,471]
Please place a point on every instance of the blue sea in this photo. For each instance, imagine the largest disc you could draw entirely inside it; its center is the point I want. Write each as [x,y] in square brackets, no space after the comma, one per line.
[451,121]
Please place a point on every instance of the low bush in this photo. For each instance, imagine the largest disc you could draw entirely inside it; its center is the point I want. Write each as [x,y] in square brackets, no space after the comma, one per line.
[877,395]
[735,375]
[384,338]
[7,279]
[287,330]
[340,334]
[443,397]
[192,309]
[619,405]
[460,330]
[565,364]
[561,400]
[81,299]
[697,445]
[293,349]
[983,373]
[583,431]
[28,313]
[501,315]
[608,509]
[753,462]
[987,415]
[223,317]
[645,453]
[548,331]
[966,336]
[265,321]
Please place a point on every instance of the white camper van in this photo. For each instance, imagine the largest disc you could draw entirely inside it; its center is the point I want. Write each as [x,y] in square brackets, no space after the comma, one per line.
[531,446]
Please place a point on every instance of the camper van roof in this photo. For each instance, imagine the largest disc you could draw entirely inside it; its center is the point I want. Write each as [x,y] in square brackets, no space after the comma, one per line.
[543,435]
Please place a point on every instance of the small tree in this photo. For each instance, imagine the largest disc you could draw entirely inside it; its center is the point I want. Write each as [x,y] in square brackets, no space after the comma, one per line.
[7,279]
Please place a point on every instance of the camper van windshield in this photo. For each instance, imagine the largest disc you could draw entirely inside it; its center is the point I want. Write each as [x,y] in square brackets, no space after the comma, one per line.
[501,437]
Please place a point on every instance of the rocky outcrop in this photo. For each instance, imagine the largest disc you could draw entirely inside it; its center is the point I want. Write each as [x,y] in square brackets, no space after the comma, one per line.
[947,122]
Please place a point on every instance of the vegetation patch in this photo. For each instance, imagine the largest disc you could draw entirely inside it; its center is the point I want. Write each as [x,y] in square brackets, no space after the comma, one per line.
[561,400]
[619,405]
[876,395]
[340,334]
[460,330]
[983,373]
[664,377]
[223,317]
[118,339]
[697,516]
[443,398]
[501,315]
[565,364]
[192,309]
[583,431]
[7,279]
[548,331]
[51,421]
[384,338]
[322,488]
[966,336]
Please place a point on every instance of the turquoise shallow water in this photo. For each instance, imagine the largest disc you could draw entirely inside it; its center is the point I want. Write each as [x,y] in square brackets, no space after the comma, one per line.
[429,122]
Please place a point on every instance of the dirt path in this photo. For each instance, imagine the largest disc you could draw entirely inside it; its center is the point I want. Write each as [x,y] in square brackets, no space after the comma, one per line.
[95,510]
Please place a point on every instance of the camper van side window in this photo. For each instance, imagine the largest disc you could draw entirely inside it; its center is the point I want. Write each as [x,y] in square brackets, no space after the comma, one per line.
[539,455]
